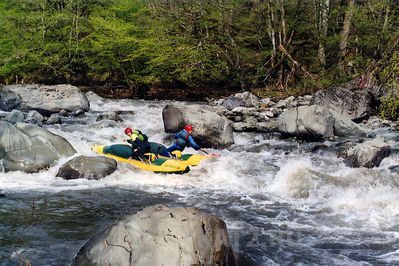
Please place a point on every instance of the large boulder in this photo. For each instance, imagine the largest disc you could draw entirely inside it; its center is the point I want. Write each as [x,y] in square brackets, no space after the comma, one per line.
[232,102]
[88,167]
[369,153]
[317,122]
[344,127]
[353,104]
[34,117]
[9,100]
[173,119]
[44,99]
[15,116]
[30,148]
[210,129]
[308,122]
[249,99]
[159,235]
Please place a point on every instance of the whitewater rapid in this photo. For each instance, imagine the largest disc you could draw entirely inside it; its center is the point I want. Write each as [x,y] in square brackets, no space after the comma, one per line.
[281,203]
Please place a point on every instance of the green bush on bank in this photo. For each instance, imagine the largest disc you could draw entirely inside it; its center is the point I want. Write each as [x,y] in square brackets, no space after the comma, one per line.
[389,107]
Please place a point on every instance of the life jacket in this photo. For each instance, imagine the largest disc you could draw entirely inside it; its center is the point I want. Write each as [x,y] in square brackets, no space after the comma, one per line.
[182,138]
[142,137]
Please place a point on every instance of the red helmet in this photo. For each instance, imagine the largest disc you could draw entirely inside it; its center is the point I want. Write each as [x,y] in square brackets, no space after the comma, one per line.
[128,129]
[188,128]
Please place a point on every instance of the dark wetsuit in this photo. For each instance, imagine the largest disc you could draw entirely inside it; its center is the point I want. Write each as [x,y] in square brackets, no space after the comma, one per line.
[141,146]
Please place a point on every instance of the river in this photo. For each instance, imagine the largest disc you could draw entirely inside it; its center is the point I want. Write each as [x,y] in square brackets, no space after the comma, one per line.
[282,202]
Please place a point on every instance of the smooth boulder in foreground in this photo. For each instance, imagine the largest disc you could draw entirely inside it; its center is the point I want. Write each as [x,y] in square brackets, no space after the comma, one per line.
[158,235]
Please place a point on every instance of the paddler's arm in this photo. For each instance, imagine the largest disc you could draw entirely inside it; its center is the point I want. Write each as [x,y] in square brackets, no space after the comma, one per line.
[192,143]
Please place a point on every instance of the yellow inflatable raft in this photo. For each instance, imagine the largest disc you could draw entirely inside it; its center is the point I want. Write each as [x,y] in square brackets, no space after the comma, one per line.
[160,165]
[189,159]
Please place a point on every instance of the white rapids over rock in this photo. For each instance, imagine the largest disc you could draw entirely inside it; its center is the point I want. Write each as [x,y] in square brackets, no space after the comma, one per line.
[281,203]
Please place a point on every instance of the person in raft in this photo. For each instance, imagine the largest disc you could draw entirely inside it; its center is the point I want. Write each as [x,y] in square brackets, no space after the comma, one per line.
[183,139]
[138,142]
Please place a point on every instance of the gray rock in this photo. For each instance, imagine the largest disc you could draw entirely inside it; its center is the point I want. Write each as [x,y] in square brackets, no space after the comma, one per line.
[93,97]
[249,125]
[267,127]
[263,117]
[344,127]
[109,116]
[9,100]
[173,119]
[237,119]
[301,101]
[210,129]
[369,153]
[249,99]
[268,114]
[58,143]
[267,102]
[355,105]
[308,97]
[87,167]
[282,104]
[33,159]
[307,122]
[29,148]
[244,111]
[63,112]
[78,113]
[232,102]
[48,99]
[375,123]
[15,116]
[54,119]
[159,235]
[34,117]
[12,139]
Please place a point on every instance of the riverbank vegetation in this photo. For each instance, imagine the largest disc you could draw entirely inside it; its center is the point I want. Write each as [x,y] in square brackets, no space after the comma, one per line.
[161,49]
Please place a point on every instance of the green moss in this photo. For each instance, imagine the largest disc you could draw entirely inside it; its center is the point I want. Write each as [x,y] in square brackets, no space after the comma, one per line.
[389,108]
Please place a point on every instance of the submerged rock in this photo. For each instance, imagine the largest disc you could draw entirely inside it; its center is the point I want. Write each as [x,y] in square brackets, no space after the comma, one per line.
[369,153]
[159,235]
[54,119]
[88,167]
[109,116]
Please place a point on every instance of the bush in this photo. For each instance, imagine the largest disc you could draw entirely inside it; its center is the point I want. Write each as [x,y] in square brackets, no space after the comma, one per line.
[389,108]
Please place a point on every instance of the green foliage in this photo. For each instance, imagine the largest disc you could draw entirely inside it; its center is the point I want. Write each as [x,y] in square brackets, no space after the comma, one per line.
[389,107]
[189,44]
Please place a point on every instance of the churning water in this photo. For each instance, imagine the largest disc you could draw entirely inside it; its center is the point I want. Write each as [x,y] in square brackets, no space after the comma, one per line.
[282,203]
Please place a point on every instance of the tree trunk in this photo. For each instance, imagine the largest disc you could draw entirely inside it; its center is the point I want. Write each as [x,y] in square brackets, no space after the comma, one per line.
[385,26]
[322,30]
[272,35]
[345,33]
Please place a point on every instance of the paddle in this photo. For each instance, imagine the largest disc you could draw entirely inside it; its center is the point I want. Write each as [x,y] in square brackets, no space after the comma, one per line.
[211,154]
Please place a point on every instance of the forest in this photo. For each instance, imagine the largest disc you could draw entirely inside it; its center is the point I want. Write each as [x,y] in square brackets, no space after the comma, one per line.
[153,48]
